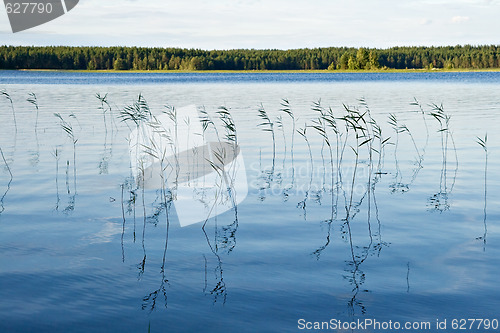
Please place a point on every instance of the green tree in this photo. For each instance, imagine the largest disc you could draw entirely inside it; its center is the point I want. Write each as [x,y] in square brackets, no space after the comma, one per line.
[352,63]
[344,61]
[119,65]
[373,60]
[362,58]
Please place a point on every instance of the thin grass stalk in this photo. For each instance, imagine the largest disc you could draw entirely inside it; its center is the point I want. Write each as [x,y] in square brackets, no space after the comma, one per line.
[33,100]
[219,171]
[343,143]
[320,127]
[331,122]
[56,155]
[422,112]
[303,203]
[317,107]
[483,142]
[445,160]
[216,159]
[456,158]
[171,112]
[285,107]
[393,121]
[231,136]
[342,140]
[104,107]
[68,129]
[124,221]
[2,208]
[373,132]
[137,113]
[353,120]
[279,124]
[7,96]
[438,114]
[268,126]
[404,128]
[6,164]
[369,136]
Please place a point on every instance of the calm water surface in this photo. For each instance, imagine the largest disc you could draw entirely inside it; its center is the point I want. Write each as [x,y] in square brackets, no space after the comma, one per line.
[89,251]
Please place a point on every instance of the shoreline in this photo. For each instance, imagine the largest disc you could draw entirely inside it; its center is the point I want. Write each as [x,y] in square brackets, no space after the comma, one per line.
[434,70]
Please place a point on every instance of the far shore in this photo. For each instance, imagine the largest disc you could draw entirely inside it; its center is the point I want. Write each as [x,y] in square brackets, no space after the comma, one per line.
[414,70]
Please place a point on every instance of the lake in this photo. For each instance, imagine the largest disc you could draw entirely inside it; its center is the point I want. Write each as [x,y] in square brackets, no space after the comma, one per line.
[349,198]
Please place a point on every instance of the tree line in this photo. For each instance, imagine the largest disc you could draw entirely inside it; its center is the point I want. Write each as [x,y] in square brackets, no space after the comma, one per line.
[331,58]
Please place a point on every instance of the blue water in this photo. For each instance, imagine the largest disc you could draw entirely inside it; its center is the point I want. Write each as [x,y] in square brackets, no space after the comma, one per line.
[49,77]
[90,252]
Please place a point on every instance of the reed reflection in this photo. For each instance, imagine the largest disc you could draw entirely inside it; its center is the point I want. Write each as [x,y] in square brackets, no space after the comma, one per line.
[11,177]
[483,142]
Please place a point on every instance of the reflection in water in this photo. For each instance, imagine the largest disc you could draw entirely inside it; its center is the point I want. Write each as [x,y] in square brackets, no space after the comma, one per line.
[397,186]
[149,301]
[483,142]
[35,156]
[204,174]
[302,204]
[424,119]
[180,166]
[106,156]
[224,242]
[358,130]
[439,201]
[6,95]
[122,186]
[141,266]
[7,167]
[57,155]
[67,128]
[408,278]
[318,251]
[362,131]
[70,207]
[352,142]
[219,288]
[268,126]
[286,108]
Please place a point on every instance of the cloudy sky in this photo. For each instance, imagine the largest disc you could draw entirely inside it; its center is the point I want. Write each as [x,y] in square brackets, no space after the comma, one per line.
[283,24]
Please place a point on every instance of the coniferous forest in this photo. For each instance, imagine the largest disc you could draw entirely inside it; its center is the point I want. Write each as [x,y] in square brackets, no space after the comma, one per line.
[331,58]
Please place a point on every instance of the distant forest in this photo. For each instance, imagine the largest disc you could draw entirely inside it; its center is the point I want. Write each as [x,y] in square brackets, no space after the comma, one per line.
[331,58]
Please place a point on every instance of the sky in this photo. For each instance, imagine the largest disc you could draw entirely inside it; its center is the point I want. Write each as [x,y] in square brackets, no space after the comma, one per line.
[263,24]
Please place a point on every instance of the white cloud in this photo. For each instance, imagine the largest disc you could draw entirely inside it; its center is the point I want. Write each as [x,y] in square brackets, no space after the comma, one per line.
[460,19]
[461,2]
[216,24]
